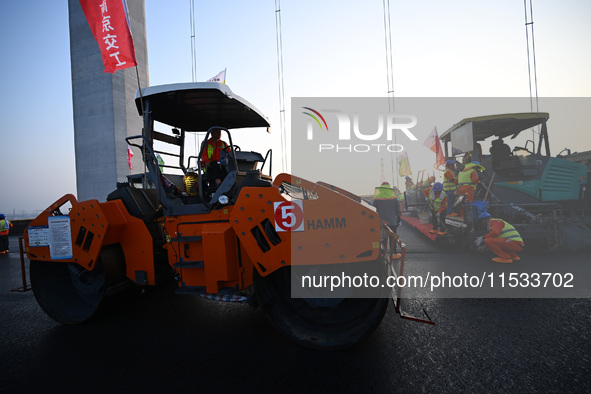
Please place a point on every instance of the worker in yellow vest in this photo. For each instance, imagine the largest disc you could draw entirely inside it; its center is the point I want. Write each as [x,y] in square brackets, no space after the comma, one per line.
[502,239]
[5,226]
[408,183]
[388,208]
[437,200]
[468,179]
[449,185]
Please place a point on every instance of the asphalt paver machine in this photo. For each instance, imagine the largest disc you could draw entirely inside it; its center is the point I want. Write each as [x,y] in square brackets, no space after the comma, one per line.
[545,197]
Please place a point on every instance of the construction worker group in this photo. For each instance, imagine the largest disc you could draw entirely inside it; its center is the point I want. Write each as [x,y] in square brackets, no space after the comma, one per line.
[501,238]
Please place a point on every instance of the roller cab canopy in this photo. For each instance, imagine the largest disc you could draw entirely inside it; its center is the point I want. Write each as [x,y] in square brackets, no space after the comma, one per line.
[197,106]
[192,107]
[502,125]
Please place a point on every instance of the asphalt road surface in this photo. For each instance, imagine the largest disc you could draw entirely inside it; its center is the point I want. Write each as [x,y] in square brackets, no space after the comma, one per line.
[161,342]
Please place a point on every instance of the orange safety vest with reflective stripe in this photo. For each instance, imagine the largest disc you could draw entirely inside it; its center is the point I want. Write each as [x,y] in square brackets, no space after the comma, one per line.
[213,151]
[509,232]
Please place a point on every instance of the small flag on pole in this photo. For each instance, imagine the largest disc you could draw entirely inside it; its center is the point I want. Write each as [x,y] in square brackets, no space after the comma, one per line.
[221,77]
[432,142]
[403,165]
[129,156]
[109,24]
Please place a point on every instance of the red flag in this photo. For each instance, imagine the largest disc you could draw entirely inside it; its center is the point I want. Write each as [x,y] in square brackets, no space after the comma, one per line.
[433,143]
[129,156]
[109,25]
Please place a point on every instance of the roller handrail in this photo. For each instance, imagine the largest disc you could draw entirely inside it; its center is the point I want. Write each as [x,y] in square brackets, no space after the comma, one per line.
[270,155]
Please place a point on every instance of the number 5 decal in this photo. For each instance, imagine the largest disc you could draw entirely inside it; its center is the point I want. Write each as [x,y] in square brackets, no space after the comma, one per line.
[289,216]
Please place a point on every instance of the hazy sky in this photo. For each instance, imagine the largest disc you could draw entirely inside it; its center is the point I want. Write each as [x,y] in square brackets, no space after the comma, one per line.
[330,49]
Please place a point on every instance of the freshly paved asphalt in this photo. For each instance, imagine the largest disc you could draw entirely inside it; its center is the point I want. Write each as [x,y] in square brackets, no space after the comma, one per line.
[161,342]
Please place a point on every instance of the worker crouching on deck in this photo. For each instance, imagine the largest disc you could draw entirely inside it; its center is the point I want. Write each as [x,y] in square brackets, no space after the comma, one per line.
[437,200]
[502,239]
[388,208]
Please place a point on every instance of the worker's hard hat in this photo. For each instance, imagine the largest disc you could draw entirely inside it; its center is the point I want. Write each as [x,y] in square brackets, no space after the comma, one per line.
[385,184]
[2,216]
[483,215]
[476,163]
[450,162]
[437,187]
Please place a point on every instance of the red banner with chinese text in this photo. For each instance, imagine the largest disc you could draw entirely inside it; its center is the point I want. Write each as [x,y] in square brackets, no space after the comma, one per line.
[109,25]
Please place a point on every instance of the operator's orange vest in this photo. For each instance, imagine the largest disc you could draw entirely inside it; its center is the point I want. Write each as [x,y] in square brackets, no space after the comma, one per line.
[211,149]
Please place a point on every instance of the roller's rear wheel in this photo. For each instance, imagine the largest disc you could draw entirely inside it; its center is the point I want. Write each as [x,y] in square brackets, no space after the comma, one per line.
[320,323]
[70,294]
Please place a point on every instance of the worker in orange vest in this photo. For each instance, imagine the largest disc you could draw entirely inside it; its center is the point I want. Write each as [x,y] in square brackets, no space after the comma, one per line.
[502,239]
[211,155]
[437,200]
[5,226]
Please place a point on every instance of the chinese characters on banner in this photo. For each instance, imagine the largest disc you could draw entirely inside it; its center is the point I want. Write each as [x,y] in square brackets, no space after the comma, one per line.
[109,25]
